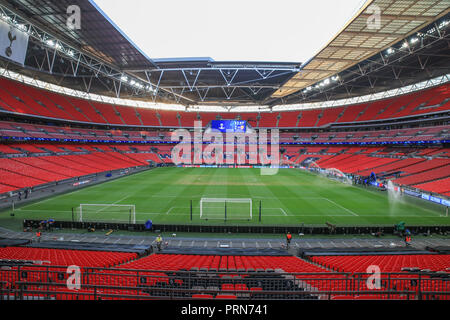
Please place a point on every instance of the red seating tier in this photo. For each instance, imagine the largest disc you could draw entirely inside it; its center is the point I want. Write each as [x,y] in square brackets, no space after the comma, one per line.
[62,257]
[309,118]
[40,102]
[441,186]
[387,263]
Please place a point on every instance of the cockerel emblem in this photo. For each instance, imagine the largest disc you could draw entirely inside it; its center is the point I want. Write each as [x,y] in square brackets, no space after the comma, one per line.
[11,38]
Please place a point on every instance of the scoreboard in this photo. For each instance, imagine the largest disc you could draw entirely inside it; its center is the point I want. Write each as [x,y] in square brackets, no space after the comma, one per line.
[229,125]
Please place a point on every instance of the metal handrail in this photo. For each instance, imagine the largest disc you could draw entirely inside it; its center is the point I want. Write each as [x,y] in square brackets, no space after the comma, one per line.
[413,284]
[96,294]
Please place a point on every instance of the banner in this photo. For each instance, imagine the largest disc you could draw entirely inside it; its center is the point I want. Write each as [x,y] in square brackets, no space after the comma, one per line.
[81,183]
[436,199]
[13,43]
[425,196]
[412,193]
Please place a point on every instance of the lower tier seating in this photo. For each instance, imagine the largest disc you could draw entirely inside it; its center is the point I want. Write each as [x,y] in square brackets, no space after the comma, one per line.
[387,263]
[224,277]
[30,171]
[62,257]
[441,186]
[30,164]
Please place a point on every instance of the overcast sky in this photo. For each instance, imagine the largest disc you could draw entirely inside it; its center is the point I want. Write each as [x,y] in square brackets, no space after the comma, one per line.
[231,30]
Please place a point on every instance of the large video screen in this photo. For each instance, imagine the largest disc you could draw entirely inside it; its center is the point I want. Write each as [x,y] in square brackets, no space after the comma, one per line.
[229,125]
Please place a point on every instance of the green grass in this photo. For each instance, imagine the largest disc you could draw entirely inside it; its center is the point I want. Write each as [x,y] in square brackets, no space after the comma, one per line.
[289,197]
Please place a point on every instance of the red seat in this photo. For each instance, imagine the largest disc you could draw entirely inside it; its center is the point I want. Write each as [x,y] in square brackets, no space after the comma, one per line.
[202,296]
[226,297]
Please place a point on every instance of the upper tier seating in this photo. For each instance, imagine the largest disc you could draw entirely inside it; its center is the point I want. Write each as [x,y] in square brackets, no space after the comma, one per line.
[309,118]
[129,115]
[21,98]
[289,119]
[169,118]
[330,115]
[268,120]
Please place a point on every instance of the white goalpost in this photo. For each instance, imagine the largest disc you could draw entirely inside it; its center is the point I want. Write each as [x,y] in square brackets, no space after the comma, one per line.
[93,212]
[226,208]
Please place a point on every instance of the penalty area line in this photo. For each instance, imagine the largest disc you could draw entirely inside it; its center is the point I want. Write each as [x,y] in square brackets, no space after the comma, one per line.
[338,205]
[279,209]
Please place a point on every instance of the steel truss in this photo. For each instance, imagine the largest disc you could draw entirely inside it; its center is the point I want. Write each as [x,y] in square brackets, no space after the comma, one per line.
[387,65]
[81,64]
[236,82]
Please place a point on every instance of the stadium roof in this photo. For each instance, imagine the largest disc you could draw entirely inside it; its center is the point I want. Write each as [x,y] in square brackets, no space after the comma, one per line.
[112,65]
[378,25]
[205,81]
[98,35]
[100,59]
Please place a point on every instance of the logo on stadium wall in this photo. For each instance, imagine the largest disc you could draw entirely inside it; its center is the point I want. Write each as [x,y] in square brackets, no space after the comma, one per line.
[13,43]
[12,38]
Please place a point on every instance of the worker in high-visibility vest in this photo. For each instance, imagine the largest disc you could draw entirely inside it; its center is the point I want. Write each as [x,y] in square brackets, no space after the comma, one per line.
[38,235]
[159,241]
[288,239]
[408,240]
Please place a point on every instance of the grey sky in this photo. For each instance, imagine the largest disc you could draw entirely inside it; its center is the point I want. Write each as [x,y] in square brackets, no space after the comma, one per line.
[246,30]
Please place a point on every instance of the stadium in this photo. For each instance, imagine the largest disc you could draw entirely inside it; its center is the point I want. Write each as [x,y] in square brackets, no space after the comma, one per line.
[124,177]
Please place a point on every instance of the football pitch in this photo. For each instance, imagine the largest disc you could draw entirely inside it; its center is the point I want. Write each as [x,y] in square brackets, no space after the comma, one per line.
[291,197]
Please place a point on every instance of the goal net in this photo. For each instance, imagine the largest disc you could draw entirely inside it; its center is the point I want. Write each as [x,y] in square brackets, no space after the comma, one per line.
[121,213]
[226,208]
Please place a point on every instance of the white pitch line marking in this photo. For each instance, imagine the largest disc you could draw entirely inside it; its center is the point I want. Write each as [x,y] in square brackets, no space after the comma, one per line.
[280,209]
[266,215]
[81,189]
[337,204]
[116,202]
[168,211]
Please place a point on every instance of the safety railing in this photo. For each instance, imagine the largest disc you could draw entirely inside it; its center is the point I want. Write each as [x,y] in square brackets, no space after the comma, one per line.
[54,282]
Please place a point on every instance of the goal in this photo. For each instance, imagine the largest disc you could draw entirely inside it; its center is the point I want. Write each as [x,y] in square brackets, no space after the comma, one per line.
[89,212]
[226,208]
